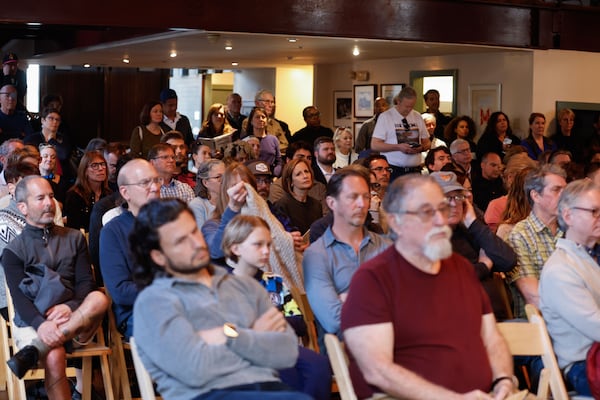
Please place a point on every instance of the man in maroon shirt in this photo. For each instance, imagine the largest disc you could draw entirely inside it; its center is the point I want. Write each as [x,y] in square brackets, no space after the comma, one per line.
[417,323]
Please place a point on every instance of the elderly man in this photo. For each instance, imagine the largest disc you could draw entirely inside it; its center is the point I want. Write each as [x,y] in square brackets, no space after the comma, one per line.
[162,157]
[201,332]
[313,128]
[534,238]
[451,351]
[400,134]
[363,139]
[234,106]
[172,120]
[462,157]
[573,317]
[13,122]
[138,184]
[330,262]
[69,308]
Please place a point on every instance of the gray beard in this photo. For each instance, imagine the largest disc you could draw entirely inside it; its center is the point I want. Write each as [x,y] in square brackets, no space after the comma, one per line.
[438,249]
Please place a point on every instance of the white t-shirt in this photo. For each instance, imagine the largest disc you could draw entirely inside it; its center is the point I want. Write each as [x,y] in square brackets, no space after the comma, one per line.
[391,129]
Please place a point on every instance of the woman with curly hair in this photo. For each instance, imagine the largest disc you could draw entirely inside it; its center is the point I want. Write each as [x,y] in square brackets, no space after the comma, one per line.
[91,185]
[461,128]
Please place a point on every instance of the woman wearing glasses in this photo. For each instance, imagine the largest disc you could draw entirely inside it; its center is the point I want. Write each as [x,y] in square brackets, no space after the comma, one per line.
[91,185]
[49,171]
[50,134]
[208,188]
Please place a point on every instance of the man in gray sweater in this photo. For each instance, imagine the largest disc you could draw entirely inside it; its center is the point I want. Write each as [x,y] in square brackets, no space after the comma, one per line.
[201,332]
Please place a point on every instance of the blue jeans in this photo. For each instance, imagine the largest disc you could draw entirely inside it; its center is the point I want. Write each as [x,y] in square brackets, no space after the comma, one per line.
[311,374]
[577,377]
[255,391]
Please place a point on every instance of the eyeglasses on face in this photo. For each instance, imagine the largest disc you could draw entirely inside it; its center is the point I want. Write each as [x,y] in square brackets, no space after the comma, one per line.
[426,213]
[263,180]
[10,95]
[594,211]
[146,183]
[457,198]
[165,157]
[55,119]
[97,165]
[267,101]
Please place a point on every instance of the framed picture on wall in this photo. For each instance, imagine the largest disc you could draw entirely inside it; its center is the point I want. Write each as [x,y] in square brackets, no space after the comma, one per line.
[364,100]
[342,107]
[357,125]
[391,90]
[483,101]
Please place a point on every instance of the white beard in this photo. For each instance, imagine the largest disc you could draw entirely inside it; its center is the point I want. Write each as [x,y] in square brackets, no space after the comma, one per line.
[438,249]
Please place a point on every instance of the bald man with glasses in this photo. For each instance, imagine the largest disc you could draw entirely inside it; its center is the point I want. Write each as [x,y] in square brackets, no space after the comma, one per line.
[13,122]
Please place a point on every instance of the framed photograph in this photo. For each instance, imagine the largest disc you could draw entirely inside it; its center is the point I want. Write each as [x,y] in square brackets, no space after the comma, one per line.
[342,107]
[483,101]
[390,90]
[364,100]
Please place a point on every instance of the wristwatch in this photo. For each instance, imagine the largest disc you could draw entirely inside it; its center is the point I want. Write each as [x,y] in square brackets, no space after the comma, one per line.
[230,330]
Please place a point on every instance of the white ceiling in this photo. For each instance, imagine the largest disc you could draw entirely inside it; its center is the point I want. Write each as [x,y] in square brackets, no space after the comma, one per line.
[206,50]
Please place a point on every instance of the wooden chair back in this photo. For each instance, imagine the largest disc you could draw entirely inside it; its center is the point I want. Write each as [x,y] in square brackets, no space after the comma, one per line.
[339,364]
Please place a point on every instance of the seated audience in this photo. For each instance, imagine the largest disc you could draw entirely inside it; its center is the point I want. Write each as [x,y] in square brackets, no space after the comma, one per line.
[303,210]
[462,127]
[517,204]
[175,139]
[462,157]
[269,150]
[162,157]
[570,283]
[112,153]
[497,136]
[436,158]
[208,186]
[91,185]
[453,350]
[202,333]
[344,155]
[323,159]
[48,170]
[200,153]
[330,262]
[488,185]
[430,124]
[265,99]
[247,246]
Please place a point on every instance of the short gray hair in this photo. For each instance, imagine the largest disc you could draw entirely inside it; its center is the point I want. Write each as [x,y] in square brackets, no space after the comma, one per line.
[454,145]
[536,179]
[570,194]
[400,190]
[260,93]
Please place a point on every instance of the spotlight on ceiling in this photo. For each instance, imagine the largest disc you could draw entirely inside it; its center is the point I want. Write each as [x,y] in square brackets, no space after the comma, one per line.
[355,51]
[86,65]
[235,64]
[173,53]
[126,59]
[292,40]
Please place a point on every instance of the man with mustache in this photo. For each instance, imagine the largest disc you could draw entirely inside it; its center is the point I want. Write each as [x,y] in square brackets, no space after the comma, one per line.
[67,308]
[331,260]
[417,323]
[202,333]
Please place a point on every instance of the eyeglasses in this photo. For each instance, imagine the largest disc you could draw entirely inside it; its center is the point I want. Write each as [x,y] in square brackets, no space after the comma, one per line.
[381,169]
[465,151]
[427,213]
[594,211]
[263,180]
[457,198]
[267,101]
[165,157]
[405,124]
[146,183]
[10,95]
[97,165]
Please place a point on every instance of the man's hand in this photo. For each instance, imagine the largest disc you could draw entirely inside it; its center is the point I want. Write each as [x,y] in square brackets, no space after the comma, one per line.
[213,336]
[237,196]
[477,395]
[343,297]
[503,389]
[270,321]
[299,243]
[483,258]
[469,213]
[59,314]
[50,334]
[407,149]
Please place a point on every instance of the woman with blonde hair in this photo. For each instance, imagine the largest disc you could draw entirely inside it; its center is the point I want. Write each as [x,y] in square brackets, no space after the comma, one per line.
[344,152]
[216,123]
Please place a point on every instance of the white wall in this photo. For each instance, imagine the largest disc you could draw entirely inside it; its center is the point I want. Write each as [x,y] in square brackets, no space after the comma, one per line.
[560,75]
[294,91]
[514,70]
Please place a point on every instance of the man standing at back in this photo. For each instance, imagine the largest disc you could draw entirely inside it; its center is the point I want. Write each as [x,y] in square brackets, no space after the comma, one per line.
[13,122]
[234,116]
[279,129]
[202,333]
[400,134]
[172,120]
[432,100]
[313,128]
[534,239]
[138,184]
[416,322]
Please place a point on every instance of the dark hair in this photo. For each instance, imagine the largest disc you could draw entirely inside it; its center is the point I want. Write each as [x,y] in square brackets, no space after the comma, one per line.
[96,144]
[490,128]
[427,93]
[13,172]
[167,94]
[82,184]
[144,236]
[250,127]
[47,111]
[295,146]
[449,131]
[430,157]
[49,98]
[320,140]
[334,186]
[157,148]
[305,111]
[145,113]
[288,170]
[171,135]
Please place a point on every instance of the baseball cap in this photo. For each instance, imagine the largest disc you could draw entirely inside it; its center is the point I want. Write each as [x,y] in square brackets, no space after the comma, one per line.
[258,167]
[167,94]
[10,58]
[447,180]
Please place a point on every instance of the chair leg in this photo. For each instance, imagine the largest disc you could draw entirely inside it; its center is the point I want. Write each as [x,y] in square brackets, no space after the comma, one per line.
[105,368]
[86,370]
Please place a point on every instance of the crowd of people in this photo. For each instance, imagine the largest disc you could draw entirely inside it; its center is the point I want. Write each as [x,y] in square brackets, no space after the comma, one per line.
[409,242]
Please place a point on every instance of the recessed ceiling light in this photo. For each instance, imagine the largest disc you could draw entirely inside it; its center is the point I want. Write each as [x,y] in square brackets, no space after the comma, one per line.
[292,40]
[355,51]
[86,65]
[235,64]
[228,47]
[173,53]
[33,24]
[126,59]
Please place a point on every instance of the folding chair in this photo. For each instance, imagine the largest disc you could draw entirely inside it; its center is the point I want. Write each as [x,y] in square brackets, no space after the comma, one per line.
[143,377]
[339,364]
